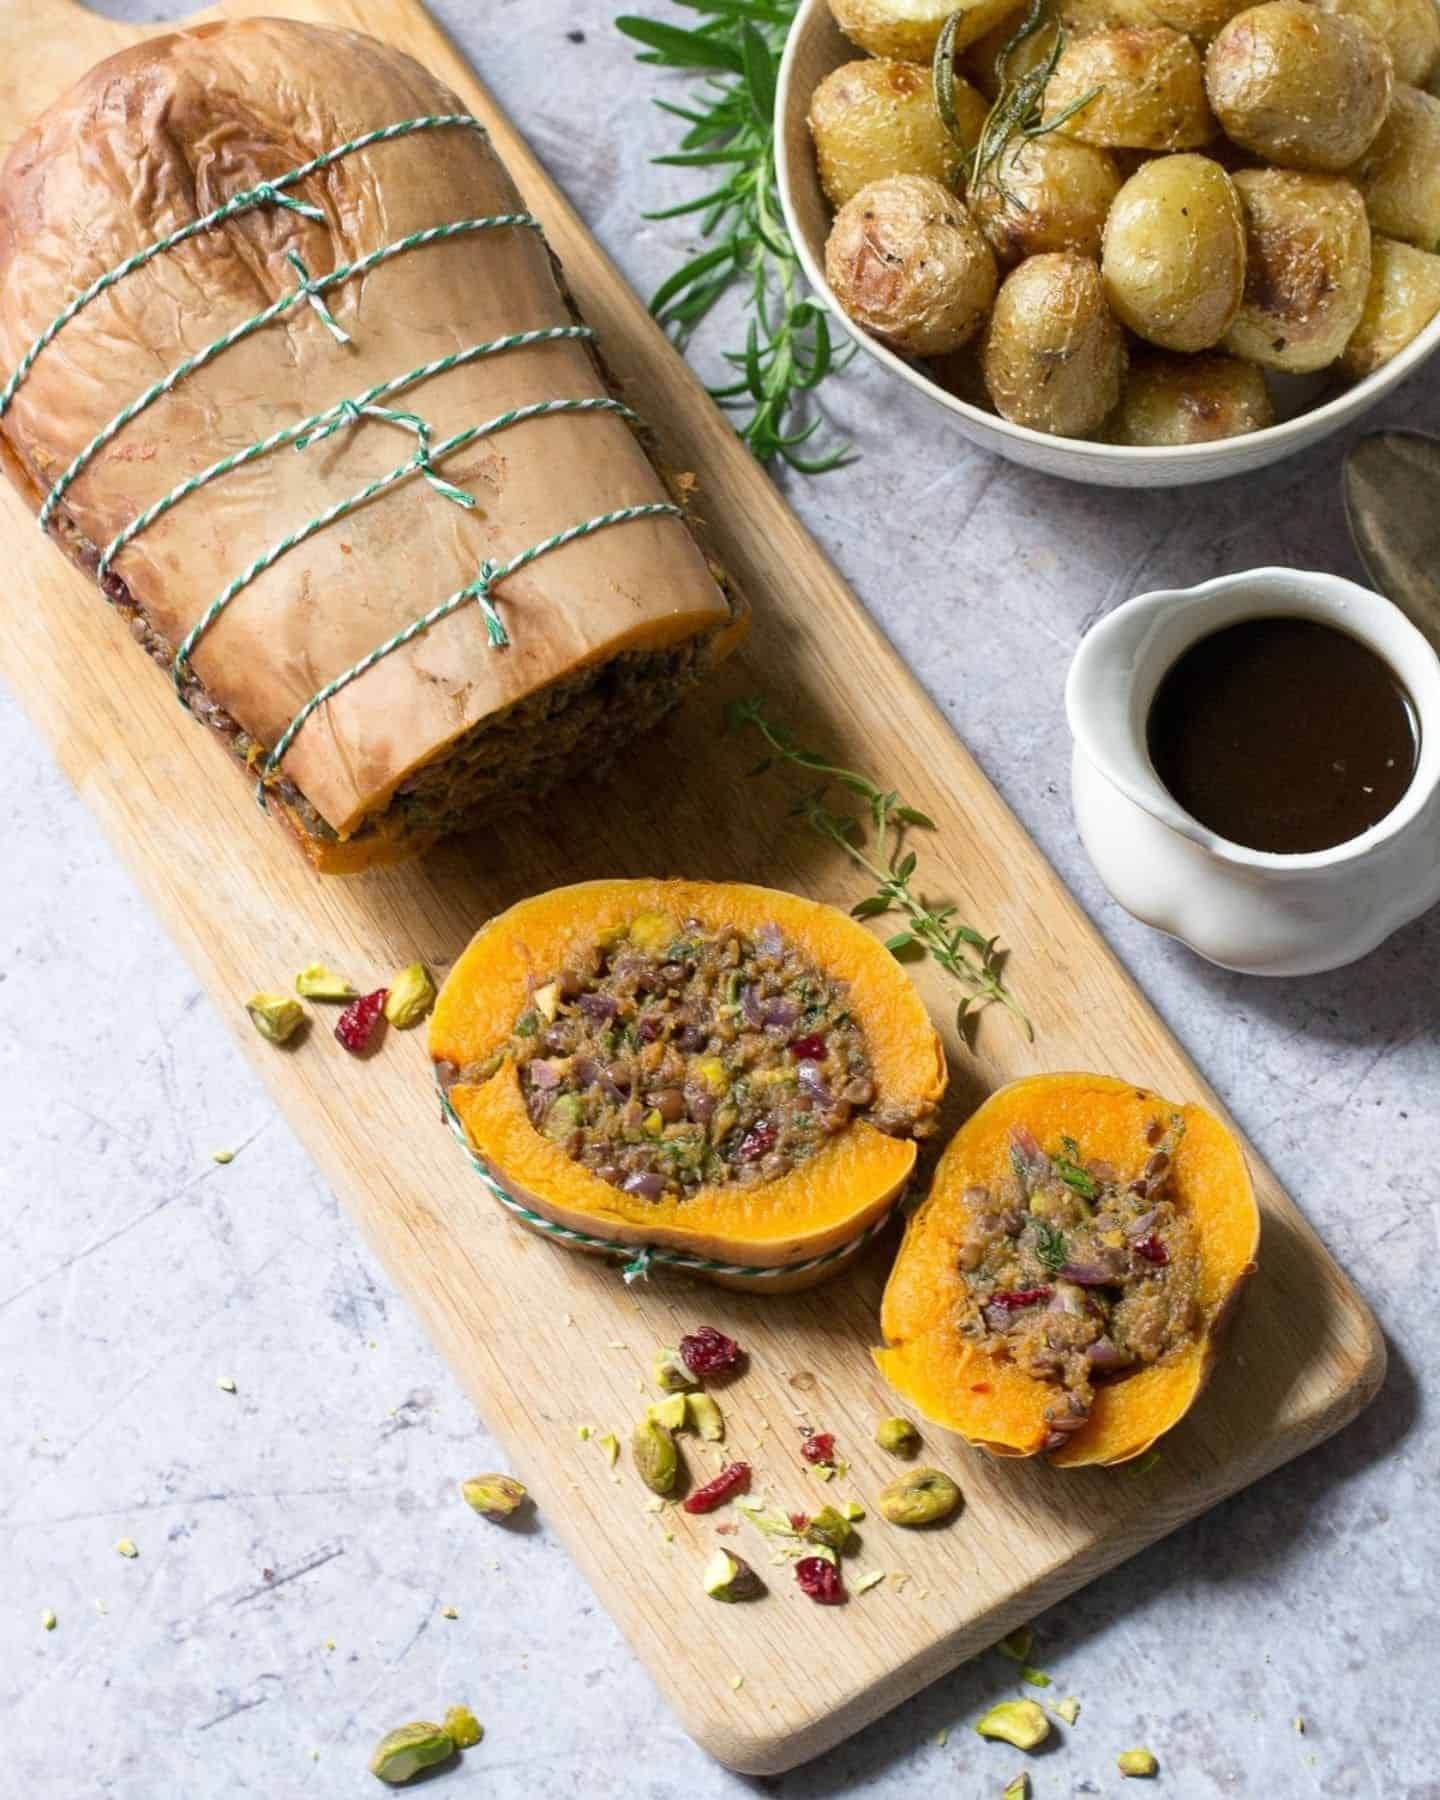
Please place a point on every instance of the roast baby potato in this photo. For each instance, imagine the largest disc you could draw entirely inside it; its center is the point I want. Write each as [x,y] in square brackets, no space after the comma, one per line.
[1053,353]
[1045,193]
[1168,400]
[1410,28]
[909,264]
[1298,86]
[1404,297]
[1399,174]
[1148,90]
[909,28]
[878,117]
[1174,253]
[1307,268]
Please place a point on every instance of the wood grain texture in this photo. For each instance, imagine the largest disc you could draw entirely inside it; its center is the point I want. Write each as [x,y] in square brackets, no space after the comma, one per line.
[546,1340]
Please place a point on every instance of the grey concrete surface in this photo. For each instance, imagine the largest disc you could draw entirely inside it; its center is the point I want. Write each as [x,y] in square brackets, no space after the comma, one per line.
[135,1272]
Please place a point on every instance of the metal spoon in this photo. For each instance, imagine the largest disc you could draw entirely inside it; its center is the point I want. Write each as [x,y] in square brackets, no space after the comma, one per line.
[1391,484]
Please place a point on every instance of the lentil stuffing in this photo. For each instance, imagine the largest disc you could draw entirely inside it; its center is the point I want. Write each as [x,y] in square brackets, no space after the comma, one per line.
[667,1055]
[1078,1274]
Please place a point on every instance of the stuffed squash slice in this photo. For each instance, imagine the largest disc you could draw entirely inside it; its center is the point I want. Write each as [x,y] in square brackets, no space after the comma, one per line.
[724,1071]
[1062,1289]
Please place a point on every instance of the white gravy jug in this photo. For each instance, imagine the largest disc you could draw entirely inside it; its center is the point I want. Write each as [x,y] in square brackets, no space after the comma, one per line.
[1252,910]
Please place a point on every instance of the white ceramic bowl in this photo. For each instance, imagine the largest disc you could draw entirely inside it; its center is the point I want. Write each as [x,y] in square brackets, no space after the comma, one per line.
[815,47]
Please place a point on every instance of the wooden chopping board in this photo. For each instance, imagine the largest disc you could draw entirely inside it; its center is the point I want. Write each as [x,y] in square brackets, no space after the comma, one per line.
[546,1340]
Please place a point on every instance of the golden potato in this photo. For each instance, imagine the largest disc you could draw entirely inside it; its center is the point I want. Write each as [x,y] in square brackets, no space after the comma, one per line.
[1410,28]
[1174,253]
[1298,86]
[960,374]
[1189,400]
[1399,174]
[1053,354]
[1152,90]
[1198,19]
[909,28]
[1307,268]
[1045,193]
[878,117]
[909,264]
[1404,297]
[1078,18]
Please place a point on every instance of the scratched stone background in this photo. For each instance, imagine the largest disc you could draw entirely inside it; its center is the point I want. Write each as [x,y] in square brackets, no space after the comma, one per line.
[134,1272]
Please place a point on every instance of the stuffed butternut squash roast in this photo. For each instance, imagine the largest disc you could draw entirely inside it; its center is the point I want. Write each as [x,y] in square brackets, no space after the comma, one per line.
[1061,1290]
[727,1072]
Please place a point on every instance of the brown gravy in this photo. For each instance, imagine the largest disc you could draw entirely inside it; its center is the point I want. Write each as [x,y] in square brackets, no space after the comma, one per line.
[1283,734]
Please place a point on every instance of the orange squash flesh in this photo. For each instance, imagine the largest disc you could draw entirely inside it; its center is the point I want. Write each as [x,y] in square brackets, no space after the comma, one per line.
[991,1402]
[815,1207]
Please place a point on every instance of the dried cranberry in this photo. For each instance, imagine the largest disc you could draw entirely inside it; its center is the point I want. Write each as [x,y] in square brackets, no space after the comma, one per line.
[356,1027]
[757,1140]
[733,1479]
[809,1049]
[799,1520]
[1153,1250]
[820,1580]
[819,1447]
[706,1350]
[1014,1298]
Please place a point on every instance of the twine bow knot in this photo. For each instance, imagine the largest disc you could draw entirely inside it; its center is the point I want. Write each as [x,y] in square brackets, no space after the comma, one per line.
[479,591]
[311,290]
[265,193]
[350,412]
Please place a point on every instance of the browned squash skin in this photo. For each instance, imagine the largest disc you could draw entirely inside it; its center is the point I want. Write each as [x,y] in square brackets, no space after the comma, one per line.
[817,1207]
[992,1403]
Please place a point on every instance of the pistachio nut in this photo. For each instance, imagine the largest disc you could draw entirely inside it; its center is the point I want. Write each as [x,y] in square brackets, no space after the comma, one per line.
[919,1497]
[316,982]
[566,1114]
[671,1375]
[275,1016]
[1018,1789]
[127,1547]
[464,1727]
[404,1752]
[669,1412]
[1067,1709]
[730,1577]
[898,1436]
[496,1496]
[830,1528]
[1016,1644]
[853,1510]
[48,1620]
[1018,1722]
[705,1417]
[656,1459]
[610,1444]
[1136,1762]
[410,997]
[546,1001]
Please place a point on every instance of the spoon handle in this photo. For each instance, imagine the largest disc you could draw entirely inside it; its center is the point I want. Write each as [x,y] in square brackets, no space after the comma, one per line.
[1391,484]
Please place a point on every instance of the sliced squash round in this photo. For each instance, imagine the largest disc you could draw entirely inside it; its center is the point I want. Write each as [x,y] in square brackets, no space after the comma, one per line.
[963,1374]
[792,1229]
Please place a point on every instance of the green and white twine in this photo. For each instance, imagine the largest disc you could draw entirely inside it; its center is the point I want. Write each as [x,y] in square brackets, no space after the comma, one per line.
[640,1261]
[311,291]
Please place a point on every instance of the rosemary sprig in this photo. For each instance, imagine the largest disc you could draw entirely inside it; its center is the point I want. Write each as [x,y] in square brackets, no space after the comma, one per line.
[788,350]
[1018,107]
[960,950]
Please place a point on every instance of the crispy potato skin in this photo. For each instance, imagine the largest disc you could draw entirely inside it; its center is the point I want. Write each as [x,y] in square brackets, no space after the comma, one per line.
[1410,28]
[908,29]
[1200,20]
[909,264]
[1307,271]
[1079,18]
[1404,297]
[1399,174]
[1052,194]
[1169,400]
[1053,354]
[878,117]
[1299,87]
[1152,90]
[1174,253]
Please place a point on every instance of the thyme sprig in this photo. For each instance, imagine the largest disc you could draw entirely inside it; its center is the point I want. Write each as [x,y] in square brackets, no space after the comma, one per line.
[1018,109]
[788,349]
[1050,1248]
[875,841]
